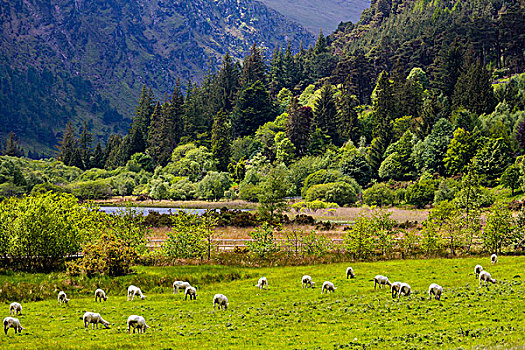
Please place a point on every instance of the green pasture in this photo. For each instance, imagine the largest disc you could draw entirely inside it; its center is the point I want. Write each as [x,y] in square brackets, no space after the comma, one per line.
[287,316]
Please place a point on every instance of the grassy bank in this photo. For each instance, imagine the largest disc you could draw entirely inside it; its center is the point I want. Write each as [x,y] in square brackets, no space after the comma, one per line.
[287,316]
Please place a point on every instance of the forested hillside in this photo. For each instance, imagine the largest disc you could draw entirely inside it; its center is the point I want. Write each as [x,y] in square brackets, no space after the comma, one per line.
[87,60]
[450,127]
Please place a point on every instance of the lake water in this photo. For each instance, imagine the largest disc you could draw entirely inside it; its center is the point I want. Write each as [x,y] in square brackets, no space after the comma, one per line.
[147,210]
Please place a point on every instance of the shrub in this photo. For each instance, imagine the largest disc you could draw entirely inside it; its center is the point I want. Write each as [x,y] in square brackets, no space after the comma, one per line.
[97,189]
[249,192]
[359,238]
[422,192]
[338,192]
[379,194]
[499,229]
[263,243]
[213,186]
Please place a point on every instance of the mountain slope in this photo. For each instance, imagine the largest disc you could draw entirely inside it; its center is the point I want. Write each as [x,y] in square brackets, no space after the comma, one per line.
[92,56]
[320,14]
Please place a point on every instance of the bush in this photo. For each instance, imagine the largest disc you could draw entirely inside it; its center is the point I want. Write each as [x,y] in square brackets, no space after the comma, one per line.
[263,243]
[213,186]
[338,192]
[379,194]
[97,189]
[249,192]
[422,192]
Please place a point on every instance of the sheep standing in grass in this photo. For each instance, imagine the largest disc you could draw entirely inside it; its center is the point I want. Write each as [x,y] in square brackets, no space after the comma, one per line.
[100,294]
[307,281]
[10,322]
[435,290]
[62,297]
[394,288]
[404,289]
[485,277]
[350,272]
[221,301]
[328,286]
[192,292]
[493,258]
[181,285]
[132,291]
[94,319]
[263,282]
[138,323]
[477,270]
[382,281]
[15,309]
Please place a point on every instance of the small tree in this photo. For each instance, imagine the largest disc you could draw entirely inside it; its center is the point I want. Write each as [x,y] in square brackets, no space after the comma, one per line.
[186,238]
[263,243]
[511,178]
[430,237]
[383,225]
[274,189]
[359,239]
[499,228]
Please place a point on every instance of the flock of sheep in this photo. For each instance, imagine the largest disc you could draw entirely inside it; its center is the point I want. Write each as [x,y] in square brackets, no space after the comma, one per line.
[221,301]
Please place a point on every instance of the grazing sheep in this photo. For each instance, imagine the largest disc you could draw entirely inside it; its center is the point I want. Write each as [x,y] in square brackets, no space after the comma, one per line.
[485,277]
[132,291]
[99,294]
[138,323]
[350,272]
[435,290]
[328,286]
[477,270]
[10,322]
[493,258]
[307,281]
[15,308]
[262,283]
[221,301]
[62,297]
[394,288]
[192,292]
[404,289]
[382,281]
[95,319]
[180,284]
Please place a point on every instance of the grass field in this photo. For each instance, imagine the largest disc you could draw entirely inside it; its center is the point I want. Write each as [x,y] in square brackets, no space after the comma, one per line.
[286,316]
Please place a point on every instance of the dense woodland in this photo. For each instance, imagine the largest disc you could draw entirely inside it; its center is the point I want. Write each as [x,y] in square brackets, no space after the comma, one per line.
[394,109]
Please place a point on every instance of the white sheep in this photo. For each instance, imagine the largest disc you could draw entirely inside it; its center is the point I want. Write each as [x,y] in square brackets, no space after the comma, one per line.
[221,301]
[262,283]
[404,289]
[350,272]
[307,281]
[382,281]
[493,258]
[477,270]
[192,292]
[435,290]
[328,286]
[394,288]
[15,309]
[138,323]
[180,284]
[485,277]
[132,291]
[95,319]
[62,297]
[100,294]
[10,322]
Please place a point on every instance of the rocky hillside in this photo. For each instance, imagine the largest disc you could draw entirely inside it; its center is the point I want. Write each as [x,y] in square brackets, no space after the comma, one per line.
[320,14]
[87,59]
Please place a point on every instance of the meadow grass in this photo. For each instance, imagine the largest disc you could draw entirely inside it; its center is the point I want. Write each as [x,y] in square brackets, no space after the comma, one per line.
[287,316]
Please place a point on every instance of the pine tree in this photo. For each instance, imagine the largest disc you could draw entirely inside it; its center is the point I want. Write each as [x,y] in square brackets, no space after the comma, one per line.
[220,140]
[252,110]
[84,146]
[298,126]
[138,133]
[449,65]
[321,46]
[227,83]
[474,90]
[276,71]
[12,146]
[384,108]
[347,121]
[325,114]
[156,133]
[97,160]
[254,68]
[291,72]
[68,144]
[112,154]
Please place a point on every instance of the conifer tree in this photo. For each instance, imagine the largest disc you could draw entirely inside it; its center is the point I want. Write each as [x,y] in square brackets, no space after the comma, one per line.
[291,72]
[384,108]
[321,46]
[252,110]
[325,114]
[276,71]
[112,151]
[227,83]
[220,140]
[68,145]
[138,133]
[347,121]
[254,68]
[12,146]
[84,146]
[474,90]
[97,160]
[156,132]
[449,65]
[298,126]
